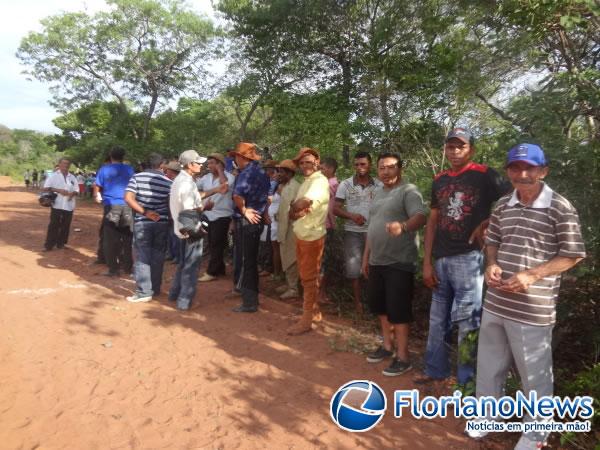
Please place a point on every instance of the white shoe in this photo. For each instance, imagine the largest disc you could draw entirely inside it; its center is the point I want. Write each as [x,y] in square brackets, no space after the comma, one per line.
[207,277]
[281,289]
[527,444]
[135,298]
[290,293]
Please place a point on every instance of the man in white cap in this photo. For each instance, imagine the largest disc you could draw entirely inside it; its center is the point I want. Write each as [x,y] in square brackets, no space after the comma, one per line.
[185,197]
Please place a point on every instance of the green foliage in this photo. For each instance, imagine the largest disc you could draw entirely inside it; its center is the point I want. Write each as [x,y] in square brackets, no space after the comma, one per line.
[24,149]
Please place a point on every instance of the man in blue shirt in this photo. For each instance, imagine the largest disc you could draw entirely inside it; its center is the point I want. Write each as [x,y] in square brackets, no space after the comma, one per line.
[250,193]
[111,181]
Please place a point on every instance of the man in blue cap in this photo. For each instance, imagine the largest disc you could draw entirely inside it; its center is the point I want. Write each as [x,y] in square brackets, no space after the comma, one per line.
[461,202]
[533,237]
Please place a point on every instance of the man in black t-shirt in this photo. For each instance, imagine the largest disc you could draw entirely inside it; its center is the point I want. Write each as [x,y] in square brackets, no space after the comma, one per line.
[461,201]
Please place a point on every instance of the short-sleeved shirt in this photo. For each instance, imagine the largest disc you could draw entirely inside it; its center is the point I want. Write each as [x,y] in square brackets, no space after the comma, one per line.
[527,236]
[69,183]
[113,179]
[151,189]
[390,205]
[184,196]
[223,203]
[357,200]
[464,200]
[312,226]
[253,185]
[333,186]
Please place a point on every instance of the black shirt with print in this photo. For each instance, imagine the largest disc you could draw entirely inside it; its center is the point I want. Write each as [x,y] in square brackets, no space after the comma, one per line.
[464,199]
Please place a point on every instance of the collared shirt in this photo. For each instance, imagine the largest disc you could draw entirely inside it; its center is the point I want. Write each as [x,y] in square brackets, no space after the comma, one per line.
[312,226]
[357,200]
[113,179]
[184,196]
[253,185]
[526,237]
[223,202]
[333,186]
[151,189]
[69,183]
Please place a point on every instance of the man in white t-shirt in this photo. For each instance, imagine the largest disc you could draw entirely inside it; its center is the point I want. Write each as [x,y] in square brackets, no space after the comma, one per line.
[353,199]
[218,185]
[65,186]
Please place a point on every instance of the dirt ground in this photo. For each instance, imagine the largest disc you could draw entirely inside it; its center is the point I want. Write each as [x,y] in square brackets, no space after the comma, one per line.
[81,368]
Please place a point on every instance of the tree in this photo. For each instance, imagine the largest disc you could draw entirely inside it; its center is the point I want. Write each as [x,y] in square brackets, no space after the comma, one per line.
[141,54]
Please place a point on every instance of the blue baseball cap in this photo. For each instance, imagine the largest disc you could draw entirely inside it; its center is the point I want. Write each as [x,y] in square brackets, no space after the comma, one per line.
[462,134]
[529,153]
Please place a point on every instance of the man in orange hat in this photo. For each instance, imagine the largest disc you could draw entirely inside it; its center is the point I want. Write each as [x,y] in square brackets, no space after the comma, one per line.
[250,193]
[285,235]
[309,212]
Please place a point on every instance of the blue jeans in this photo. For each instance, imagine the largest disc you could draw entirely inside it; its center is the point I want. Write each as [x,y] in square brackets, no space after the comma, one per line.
[455,301]
[183,288]
[149,244]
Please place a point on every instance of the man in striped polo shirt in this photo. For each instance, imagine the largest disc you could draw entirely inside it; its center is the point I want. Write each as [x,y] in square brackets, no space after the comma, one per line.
[533,237]
[148,195]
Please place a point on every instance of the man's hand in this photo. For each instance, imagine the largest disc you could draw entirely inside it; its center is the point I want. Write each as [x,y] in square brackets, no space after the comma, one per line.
[429,277]
[222,189]
[394,228]
[493,276]
[478,234]
[359,219]
[208,205]
[364,268]
[152,215]
[252,215]
[519,282]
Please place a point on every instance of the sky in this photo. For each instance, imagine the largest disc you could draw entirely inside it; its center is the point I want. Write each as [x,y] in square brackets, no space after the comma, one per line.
[23,102]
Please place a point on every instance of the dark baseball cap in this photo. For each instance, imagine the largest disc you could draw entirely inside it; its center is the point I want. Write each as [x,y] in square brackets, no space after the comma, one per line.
[462,134]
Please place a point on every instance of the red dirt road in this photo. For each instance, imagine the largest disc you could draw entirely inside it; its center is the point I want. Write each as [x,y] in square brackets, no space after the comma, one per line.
[81,368]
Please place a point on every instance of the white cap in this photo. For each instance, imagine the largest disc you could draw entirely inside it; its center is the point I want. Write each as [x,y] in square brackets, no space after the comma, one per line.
[190,156]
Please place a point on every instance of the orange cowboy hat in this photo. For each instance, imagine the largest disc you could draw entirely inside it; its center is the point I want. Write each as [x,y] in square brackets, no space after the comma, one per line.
[287,164]
[305,151]
[247,150]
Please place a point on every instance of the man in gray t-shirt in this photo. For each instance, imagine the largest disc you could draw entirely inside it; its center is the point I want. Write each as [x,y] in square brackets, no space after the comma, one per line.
[390,258]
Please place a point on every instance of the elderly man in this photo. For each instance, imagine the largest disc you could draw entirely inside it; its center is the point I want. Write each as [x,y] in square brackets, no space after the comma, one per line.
[148,196]
[533,237]
[184,201]
[309,212]
[218,185]
[65,186]
[285,235]
[250,194]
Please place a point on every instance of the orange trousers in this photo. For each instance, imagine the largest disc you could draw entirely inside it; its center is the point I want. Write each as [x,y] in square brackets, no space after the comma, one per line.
[308,256]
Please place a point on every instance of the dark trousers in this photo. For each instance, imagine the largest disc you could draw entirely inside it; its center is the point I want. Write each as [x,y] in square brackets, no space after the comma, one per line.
[100,251]
[217,243]
[117,246]
[58,228]
[246,242]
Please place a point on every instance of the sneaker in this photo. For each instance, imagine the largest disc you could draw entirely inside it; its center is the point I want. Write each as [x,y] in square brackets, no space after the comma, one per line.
[477,434]
[245,309]
[527,444]
[396,368]
[139,298]
[290,293]
[207,277]
[379,355]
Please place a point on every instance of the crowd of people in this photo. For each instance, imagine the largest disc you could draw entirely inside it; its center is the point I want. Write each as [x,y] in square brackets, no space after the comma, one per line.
[515,234]
[37,178]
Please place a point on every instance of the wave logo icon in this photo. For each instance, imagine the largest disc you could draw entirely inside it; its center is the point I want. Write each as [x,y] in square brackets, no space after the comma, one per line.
[358,406]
